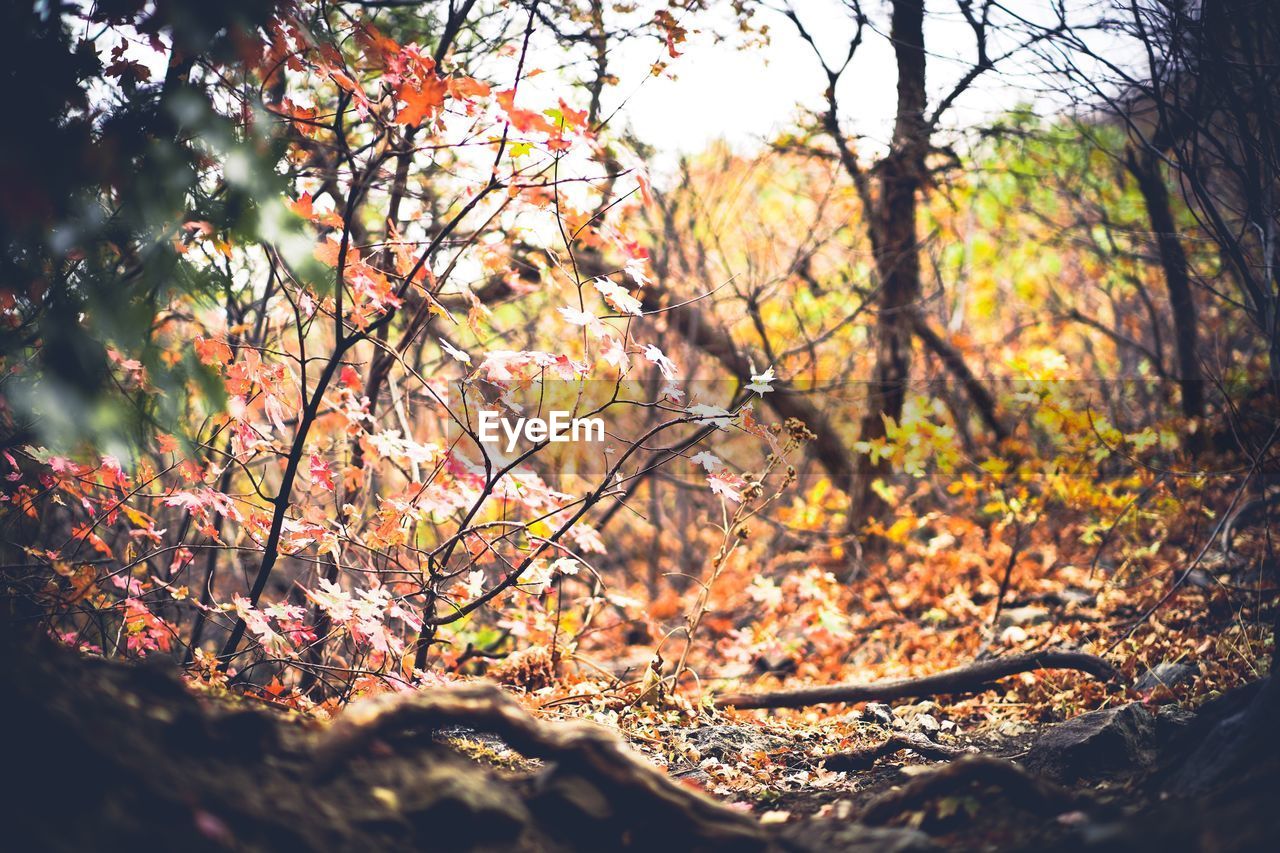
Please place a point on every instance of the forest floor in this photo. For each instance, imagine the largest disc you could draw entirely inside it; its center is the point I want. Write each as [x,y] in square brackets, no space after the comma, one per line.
[583,758]
[135,758]
[1096,769]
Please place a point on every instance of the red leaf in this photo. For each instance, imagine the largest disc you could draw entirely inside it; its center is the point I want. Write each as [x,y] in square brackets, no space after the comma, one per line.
[321,473]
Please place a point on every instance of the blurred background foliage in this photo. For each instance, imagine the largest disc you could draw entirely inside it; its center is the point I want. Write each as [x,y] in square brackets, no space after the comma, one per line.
[110,162]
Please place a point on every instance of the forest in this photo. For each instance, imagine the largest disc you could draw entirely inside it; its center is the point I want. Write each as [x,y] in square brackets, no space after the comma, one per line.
[780,425]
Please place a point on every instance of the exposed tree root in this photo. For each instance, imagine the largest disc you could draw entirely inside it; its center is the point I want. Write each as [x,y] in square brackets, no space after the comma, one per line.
[153,766]
[964,679]
[1023,789]
[583,749]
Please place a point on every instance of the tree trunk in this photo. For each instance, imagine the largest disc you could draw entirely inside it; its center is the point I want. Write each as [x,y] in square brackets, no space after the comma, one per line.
[892,226]
[1146,169]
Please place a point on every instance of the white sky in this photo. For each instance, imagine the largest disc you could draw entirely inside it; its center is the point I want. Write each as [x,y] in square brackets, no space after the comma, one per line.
[720,91]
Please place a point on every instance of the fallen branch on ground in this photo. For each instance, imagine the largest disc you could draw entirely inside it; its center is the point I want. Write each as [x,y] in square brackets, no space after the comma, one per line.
[862,759]
[965,679]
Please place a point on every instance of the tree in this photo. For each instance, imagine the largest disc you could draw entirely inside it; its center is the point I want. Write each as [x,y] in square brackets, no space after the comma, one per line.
[890,191]
[1199,108]
[338,193]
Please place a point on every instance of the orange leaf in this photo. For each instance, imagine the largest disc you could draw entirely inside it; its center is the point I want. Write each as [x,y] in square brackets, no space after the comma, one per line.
[304,208]
[375,43]
[523,120]
[421,102]
[467,87]
[213,352]
[573,119]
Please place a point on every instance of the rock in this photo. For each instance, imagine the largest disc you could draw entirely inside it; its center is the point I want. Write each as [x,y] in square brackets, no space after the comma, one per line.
[1014,635]
[927,725]
[1097,742]
[877,712]
[1167,675]
[1232,743]
[1171,722]
[723,742]
[1029,615]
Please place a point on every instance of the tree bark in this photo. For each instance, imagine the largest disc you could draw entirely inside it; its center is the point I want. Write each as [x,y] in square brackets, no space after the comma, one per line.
[1145,167]
[892,226]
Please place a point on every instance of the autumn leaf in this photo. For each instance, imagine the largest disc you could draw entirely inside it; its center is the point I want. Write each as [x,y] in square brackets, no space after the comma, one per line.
[573,119]
[672,31]
[421,101]
[523,120]
[321,473]
[372,40]
[350,378]
[213,352]
[327,252]
[304,208]
[467,87]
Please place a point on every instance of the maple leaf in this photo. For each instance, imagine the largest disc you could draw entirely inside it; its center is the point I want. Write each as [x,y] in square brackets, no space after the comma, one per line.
[454,353]
[321,473]
[635,271]
[573,119]
[213,352]
[375,44]
[708,460]
[618,297]
[408,617]
[536,578]
[498,364]
[126,69]
[347,84]
[304,119]
[259,625]
[574,317]
[327,252]
[350,378]
[565,566]
[421,101]
[616,355]
[85,533]
[333,600]
[673,32]
[760,382]
[722,418]
[304,208]
[521,119]
[723,485]
[202,501]
[467,87]
[587,538]
[112,473]
[665,365]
